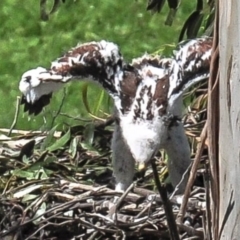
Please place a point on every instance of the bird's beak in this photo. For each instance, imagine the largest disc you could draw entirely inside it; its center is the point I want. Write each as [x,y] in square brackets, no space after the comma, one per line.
[142,166]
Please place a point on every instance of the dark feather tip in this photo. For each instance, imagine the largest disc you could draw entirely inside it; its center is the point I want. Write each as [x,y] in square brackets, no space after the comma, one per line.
[36,107]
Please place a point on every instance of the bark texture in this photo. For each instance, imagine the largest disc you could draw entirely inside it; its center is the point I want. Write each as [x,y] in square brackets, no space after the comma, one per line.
[229,128]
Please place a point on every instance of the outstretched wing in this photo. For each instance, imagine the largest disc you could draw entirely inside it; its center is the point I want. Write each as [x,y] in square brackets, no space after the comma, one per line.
[190,65]
[140,91]
[102,62]
[99,61]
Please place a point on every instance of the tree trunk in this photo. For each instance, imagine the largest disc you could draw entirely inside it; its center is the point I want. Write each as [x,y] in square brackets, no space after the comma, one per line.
[229,128]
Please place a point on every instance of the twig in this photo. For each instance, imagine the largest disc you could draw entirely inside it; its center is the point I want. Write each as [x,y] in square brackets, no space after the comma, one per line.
[183,177]
[110,120]
[119,201]
[147,207]
[94,234]
[15,116]
[104,218]
[54,209]
[172,227]
[57,134]
[208,202]
[191,231]
[113,210]
[213,129]
[75,118]
[47,224]
[193,174]
[59,109]
[86,223]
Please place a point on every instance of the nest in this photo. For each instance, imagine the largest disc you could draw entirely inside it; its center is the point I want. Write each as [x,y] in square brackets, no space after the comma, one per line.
[63,189]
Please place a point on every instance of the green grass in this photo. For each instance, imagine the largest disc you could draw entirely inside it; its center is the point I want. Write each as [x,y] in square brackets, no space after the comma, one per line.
[27,42]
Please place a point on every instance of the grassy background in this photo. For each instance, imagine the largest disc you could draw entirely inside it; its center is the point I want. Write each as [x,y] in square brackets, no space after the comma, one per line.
[27,42]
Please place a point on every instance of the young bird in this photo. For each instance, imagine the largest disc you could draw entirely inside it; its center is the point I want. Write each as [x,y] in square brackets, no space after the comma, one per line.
[147,95]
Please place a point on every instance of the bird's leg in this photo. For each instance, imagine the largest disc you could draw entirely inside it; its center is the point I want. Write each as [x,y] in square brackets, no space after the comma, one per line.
[123,162]
[178,151]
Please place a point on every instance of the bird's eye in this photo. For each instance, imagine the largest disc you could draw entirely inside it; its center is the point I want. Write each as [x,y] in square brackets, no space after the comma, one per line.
[28,78]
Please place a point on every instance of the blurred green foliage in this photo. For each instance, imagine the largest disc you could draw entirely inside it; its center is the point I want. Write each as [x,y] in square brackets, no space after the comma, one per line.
[27,42]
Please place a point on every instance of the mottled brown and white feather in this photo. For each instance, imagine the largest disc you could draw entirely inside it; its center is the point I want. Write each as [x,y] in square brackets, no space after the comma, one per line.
[99,61]
[143,121]
[147,96]
[191,64]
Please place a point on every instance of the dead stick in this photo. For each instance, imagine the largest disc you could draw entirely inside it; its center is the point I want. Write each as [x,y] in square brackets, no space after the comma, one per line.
[172,226]
[113,210]
[15,116]
[193,174]
[59,109]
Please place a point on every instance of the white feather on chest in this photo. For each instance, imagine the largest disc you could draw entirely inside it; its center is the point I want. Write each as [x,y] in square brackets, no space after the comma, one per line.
[144,138]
